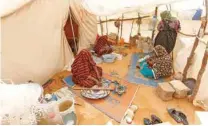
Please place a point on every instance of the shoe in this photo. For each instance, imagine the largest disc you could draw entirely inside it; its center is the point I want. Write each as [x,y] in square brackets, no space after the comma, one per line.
[155,119]
[147,121]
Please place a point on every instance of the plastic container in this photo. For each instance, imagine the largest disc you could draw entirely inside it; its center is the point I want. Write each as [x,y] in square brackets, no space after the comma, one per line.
[109,58]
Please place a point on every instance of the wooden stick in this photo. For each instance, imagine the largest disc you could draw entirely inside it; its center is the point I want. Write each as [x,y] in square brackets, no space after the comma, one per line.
[101,27]
[196,42]
[75,44]
[93,89]
[130,40]
[203,65]
[121,26]
[153,31]
[127,19]
[117,37]
[139,23]
[200,74]
[106,26]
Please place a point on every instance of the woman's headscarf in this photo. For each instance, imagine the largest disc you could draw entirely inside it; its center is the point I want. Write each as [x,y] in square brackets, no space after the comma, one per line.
[160,51]
[166,15]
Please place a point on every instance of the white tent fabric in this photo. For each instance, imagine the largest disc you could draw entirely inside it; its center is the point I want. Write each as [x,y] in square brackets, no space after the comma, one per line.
[87,24]
[110,7]
[182,52]
[34,46]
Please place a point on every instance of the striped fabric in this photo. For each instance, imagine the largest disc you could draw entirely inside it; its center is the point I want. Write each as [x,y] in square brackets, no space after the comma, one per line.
[102,46]
[83,67]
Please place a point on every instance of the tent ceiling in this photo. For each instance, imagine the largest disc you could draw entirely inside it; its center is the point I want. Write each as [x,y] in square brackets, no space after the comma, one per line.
[109,7]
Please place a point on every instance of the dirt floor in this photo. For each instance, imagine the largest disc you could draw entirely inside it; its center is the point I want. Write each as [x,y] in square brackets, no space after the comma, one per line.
[146,99]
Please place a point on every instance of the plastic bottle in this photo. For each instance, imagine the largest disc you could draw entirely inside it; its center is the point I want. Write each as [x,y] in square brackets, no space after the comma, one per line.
[154,22]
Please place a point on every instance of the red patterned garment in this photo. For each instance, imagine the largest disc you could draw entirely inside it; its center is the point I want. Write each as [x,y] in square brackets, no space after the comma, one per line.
[102,46]
[83,67]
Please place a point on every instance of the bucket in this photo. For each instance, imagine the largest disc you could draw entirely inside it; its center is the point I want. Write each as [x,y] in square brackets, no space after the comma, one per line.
[66,106]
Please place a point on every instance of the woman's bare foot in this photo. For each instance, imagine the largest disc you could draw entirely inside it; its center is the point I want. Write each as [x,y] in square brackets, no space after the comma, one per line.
[138,67]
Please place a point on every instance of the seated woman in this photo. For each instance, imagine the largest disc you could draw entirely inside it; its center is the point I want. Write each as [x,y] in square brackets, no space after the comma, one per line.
[158,65]
[102,46]
[84,70]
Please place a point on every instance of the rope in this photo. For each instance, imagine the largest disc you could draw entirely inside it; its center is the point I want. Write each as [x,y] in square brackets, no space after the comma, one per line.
[187,34]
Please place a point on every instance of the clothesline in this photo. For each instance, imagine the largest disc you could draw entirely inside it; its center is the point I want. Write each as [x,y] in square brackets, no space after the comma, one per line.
[200,39]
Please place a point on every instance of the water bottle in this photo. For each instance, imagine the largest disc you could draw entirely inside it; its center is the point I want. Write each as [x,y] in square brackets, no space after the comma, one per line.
[154,22]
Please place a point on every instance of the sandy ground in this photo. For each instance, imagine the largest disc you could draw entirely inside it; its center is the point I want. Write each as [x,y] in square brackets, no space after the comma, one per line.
[146,99]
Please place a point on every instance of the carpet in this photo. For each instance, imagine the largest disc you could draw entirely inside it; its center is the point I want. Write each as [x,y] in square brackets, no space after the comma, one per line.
[114,106]
[134,75]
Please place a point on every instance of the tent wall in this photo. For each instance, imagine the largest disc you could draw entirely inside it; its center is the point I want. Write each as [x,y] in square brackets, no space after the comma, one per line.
[182,51]
[87,24]
[34,46]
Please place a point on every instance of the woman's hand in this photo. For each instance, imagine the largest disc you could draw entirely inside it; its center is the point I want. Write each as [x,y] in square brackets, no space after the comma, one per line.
[97,82]
[150,63]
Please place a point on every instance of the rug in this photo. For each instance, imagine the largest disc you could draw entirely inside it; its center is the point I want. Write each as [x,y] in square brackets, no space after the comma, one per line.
[55,82]
[114,105]
[134,75]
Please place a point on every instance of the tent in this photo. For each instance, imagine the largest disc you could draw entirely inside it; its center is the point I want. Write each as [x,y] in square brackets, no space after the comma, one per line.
[33,28]
[33,42]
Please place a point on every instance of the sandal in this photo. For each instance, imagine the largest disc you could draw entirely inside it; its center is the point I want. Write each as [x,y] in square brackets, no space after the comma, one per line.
[155,119]
[147,121]
[183,118]
[174,114]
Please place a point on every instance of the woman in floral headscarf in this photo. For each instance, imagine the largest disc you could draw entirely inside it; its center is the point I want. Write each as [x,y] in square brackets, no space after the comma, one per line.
[158,65]
[84,70]
[168,28]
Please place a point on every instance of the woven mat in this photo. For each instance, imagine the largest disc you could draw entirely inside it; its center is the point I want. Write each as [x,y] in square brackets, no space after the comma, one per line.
[114,105]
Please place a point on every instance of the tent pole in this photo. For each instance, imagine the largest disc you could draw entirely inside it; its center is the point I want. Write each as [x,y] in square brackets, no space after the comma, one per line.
[72,30]
[101,27]
[130,40]
[203,65]
[153,31]
[196,42]
[126,19]
[106,26]
[200,74]
[121,26]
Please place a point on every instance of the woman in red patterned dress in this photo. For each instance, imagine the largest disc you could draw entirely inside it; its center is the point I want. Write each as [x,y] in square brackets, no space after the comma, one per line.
[102,46]
[84,70]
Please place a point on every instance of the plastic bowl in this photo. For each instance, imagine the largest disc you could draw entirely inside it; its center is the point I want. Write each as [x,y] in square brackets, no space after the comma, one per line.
[109,58]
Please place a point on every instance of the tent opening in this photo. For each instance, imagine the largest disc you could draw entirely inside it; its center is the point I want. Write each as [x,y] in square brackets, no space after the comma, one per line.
[72,38]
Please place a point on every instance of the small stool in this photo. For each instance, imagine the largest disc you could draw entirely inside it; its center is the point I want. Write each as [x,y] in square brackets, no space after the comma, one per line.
[165,91]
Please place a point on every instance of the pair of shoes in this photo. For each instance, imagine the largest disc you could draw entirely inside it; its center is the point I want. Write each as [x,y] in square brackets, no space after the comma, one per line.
[154,118]
[178,116]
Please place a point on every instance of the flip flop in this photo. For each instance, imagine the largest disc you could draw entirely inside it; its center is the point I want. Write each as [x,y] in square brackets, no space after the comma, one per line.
[155,119]
[183,118]
[174,114]
[147,121]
